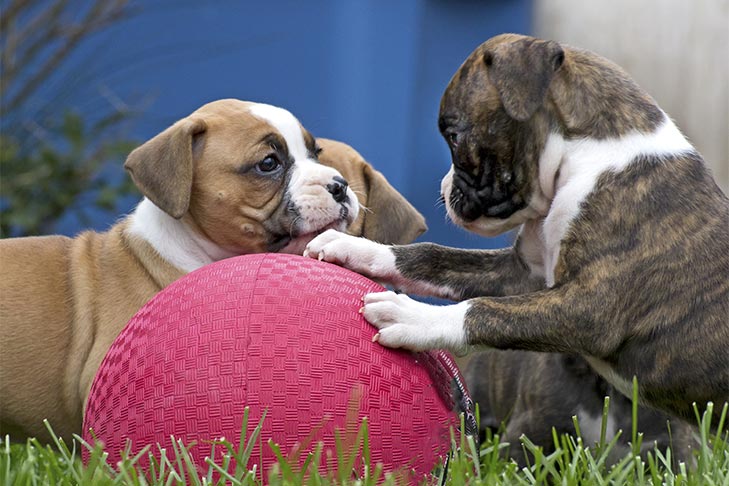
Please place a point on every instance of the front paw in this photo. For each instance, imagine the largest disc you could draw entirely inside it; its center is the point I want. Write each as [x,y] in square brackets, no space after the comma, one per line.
[329,246]
[407,323]
[363,256]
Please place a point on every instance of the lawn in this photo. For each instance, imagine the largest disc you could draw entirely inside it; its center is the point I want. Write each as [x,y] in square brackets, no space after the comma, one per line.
[573,463]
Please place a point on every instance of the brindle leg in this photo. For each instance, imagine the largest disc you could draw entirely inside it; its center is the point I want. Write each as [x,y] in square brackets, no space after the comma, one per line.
[429,269]
[465,273]
[540,321]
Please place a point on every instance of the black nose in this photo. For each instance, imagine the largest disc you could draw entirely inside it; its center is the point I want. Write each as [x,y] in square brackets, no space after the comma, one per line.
[338,189]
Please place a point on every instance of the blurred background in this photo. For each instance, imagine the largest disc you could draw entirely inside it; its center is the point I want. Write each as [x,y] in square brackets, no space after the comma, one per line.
[84,82]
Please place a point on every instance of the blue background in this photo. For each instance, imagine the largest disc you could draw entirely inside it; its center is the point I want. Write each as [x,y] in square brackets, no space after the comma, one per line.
[369,73]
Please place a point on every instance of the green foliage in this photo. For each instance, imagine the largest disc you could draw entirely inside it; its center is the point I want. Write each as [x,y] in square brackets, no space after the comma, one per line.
[572,463]
[51,156]
[41,183]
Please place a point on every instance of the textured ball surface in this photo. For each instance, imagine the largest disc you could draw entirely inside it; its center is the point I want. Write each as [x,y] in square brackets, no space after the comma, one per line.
[275,333]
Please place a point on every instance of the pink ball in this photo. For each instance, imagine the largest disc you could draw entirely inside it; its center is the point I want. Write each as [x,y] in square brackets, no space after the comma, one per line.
[275,333]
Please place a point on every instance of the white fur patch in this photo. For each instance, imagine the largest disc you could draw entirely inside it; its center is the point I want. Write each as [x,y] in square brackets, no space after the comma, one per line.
[569,170]
[309,193]
[287,125]
[591,426]
[407,323]
[173,239]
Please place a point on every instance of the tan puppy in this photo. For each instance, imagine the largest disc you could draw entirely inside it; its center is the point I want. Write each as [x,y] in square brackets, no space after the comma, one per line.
[232,178]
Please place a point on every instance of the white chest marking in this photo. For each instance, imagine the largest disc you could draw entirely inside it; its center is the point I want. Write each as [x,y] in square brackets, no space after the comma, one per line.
[569,169]
[173,239]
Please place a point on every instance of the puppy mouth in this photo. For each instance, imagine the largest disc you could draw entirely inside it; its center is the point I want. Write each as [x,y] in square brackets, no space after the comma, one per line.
[471,200]
[297,239]
[338,224]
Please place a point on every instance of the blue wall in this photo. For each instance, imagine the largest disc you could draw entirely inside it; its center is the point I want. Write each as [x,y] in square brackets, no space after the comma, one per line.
[369,73]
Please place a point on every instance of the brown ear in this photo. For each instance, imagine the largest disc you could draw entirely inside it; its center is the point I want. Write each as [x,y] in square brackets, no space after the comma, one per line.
[162,167]
[521,71]
[389,217]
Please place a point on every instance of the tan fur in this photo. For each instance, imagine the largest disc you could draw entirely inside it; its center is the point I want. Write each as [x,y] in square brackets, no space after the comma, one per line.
[380,200]
[63,301]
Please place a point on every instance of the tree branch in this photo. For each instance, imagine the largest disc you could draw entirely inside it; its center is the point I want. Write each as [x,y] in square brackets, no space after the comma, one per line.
[101,13]
[44,27]
[11,13]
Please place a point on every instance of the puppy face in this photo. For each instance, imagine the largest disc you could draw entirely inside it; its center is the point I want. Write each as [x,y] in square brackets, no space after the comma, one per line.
[489,118]
[246,177]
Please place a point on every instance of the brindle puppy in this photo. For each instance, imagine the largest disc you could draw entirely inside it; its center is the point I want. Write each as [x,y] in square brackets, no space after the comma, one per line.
[623,250]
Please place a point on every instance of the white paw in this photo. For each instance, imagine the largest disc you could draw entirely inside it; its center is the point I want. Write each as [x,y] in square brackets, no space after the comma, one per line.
[407,323]
[357,254]
[333,239]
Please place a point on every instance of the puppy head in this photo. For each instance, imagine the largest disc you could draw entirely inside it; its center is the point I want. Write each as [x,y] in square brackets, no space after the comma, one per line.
[245,176]
[386,216]
[490,116]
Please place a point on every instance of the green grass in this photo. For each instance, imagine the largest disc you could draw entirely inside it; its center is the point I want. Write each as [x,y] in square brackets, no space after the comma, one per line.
[572,463]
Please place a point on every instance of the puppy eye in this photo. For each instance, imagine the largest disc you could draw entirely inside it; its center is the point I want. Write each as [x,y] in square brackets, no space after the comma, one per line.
[268,165]
[452,138]
[317,150]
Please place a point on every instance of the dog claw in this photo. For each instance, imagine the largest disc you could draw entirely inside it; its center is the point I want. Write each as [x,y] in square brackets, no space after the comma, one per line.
[376,337]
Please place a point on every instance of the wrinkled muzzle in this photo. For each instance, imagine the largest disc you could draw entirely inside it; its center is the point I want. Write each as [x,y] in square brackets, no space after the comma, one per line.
[485,195]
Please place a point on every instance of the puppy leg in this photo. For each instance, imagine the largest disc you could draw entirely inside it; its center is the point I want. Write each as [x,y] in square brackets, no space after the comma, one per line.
[430,269]
[548,321]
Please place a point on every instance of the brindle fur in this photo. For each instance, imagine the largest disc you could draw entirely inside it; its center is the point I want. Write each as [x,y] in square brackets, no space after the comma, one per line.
[526,393]
[642,278]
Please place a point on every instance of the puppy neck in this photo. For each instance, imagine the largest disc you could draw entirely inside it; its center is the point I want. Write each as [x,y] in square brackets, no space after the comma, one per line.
[570,168]
[174,240]
[564,161]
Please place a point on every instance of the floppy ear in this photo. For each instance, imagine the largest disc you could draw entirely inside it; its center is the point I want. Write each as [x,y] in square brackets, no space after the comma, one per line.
[521,71]
[389,217]
[162,167]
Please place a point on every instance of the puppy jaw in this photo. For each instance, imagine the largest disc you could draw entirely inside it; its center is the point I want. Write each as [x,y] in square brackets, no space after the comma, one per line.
[492,185]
